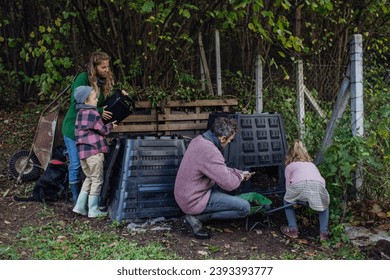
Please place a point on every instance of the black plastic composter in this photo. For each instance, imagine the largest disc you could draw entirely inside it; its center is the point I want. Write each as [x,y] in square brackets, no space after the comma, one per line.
[143,177]
[259,146]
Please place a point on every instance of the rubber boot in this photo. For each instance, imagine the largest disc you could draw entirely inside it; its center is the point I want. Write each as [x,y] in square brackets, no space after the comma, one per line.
[81,203]
[75,188]
[93,207]
[195,226]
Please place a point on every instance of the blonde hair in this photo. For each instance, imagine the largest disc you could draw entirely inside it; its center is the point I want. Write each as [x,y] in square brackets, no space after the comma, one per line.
[95,60]
[297,152]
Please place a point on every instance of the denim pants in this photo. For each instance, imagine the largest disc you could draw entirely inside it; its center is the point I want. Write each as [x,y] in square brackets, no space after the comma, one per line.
[292,221]
[74,161]
[222,206]
[93,170]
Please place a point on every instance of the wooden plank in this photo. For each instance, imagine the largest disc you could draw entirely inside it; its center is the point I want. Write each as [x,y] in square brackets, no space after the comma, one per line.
[143,104]
[202,103]
[181,126]
[148,122]
[167,111]
[160,128]
[179,103]
[184,117]
[149,128]
[140,118]
[198,121]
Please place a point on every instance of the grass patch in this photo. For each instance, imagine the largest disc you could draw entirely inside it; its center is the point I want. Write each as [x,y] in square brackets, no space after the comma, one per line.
[8,253]
[328,251]
[78,241]
[348,252]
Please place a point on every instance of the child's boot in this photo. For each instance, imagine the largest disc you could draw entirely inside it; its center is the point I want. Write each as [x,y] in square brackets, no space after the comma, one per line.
[81,203]
[93,205]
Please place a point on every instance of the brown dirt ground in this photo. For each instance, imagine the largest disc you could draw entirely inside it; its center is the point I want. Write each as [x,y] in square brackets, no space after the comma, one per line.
[234,241]
[231,238]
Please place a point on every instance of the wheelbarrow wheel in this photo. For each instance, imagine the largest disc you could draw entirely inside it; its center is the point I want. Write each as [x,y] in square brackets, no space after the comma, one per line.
[17,162]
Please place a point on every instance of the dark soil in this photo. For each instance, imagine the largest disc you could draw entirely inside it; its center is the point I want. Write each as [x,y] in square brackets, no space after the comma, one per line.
[230,239]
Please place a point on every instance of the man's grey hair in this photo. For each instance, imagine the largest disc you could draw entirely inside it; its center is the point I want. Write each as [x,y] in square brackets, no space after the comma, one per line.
[224,127]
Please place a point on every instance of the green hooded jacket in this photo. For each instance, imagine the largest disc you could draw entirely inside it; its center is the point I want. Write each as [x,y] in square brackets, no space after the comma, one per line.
[68,126]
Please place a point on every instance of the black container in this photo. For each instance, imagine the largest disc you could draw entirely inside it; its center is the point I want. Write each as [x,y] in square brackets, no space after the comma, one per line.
[259,146]
[120,106]
[109,162]
[143,178]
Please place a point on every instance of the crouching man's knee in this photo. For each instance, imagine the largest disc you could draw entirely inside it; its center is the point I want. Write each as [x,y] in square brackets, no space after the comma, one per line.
[244,209]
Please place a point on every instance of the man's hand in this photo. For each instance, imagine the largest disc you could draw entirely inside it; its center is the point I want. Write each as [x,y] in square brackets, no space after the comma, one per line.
[247,175]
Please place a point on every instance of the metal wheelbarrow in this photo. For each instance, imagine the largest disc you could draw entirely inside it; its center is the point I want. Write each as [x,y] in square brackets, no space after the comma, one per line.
[26,165]
[259,204]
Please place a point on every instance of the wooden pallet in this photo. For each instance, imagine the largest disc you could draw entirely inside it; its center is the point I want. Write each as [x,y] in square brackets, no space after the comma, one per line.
[175,117]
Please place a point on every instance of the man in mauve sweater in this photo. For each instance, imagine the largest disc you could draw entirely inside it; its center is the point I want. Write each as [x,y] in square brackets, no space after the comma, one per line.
[202,172]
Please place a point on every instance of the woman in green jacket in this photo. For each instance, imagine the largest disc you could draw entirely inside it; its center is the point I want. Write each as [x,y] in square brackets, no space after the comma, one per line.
[100,77]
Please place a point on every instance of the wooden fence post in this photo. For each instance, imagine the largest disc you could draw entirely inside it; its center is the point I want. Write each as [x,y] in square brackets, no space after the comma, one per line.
[204,64]
[202,75]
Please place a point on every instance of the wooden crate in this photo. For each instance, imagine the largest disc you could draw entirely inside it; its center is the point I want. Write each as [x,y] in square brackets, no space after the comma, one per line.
[175,117]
